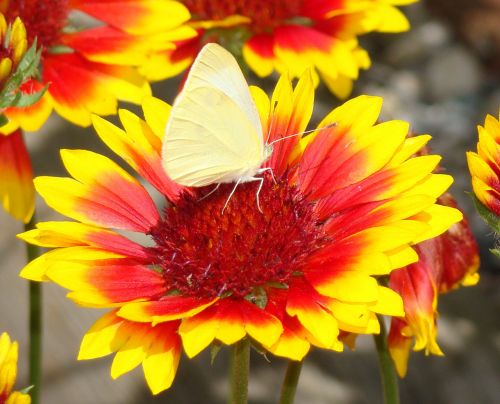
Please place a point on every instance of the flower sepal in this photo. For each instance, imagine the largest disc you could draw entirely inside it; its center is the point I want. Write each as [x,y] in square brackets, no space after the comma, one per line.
[489,217]
[27,390]
[11,94]
[215,348]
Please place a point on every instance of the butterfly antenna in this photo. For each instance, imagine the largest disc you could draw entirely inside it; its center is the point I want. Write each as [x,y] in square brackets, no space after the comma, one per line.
[230,195]
[271,124]
[303,133]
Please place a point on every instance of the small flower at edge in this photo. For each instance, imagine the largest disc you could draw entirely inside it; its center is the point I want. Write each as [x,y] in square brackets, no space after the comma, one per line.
[445,263]
[8,372]
[484,167]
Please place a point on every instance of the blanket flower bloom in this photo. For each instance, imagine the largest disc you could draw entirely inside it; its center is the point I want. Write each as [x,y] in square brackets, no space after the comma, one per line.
[287,36]
[484,167]
[91,49]
[342,208]
[8,373]
[445,263]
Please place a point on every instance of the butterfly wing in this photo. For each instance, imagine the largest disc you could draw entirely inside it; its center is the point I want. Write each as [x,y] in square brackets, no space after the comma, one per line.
[215,67]
[209,139]
[214,132]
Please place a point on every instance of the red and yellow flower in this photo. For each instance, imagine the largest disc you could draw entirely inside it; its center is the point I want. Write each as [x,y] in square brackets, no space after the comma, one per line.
[91,61]
[484,167]
[343,208]
[287,36]
[445,263]
[8,373]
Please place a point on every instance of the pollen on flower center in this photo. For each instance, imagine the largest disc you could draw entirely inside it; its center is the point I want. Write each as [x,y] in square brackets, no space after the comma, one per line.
[264,14]
[206,253]
[44,19]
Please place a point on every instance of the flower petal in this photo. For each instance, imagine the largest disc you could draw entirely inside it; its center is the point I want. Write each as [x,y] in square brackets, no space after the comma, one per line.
[69,234]
[101,194]
[17,192]
[311,310]
[80,87]
[136,17]
[167,309]
[139,147]
[29,118]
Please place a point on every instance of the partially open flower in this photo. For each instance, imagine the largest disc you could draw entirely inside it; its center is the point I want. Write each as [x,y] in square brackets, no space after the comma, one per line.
[345,206]
[13,46]
[8,373]
[484,167]
[17,65]
[445,263]
[286,35]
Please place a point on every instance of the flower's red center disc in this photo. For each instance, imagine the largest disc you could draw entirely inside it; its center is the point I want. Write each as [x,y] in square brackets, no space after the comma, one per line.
[264,14]
[205,252]
[43,19]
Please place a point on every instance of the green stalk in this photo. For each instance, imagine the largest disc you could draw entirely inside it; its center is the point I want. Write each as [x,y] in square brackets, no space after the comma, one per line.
[35,323]
[239,368]
[387,370]
[289,387]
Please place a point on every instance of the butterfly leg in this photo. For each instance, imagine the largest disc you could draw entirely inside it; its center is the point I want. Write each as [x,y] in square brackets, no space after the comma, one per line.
[210,193]
[272,175]
[258,192]
[263,170]
[230,195]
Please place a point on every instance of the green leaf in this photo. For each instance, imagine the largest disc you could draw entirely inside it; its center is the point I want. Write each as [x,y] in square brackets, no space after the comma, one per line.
[60,50]
[8,99]
[26,100]
[258,297]
[32,55]
[489,217]
[27,68]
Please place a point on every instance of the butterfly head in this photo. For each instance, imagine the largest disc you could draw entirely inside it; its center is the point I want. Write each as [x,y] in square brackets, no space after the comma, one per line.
[268,150]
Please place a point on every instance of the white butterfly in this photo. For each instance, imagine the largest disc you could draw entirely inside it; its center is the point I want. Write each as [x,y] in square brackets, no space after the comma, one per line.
[214,134]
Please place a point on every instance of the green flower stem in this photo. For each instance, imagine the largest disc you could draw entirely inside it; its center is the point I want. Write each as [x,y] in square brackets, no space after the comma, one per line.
[35,325]
[239,368]
[387,370]
[289,387]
